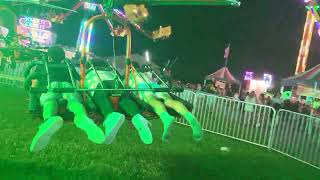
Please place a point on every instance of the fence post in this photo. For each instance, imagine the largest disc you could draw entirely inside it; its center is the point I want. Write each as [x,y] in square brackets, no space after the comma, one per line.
[275,120]
[194,102]
[310,125]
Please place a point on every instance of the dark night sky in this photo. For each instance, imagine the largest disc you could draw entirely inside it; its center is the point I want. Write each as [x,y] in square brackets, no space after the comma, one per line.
[265,36]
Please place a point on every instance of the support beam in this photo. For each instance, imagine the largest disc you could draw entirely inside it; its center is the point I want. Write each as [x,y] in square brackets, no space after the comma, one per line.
[177,2]
[305,44]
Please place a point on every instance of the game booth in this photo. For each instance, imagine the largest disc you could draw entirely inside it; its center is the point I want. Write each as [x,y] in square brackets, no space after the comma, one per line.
[305,84]
[223,79]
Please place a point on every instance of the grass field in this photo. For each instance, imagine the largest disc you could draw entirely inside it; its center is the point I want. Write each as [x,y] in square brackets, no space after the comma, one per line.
[71,156]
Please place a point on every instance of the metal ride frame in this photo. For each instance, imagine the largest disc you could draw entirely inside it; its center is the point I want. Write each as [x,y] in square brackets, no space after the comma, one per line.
[107,15]
[118,16]
[113,3]
[129,68]
[312,18]
[110,14]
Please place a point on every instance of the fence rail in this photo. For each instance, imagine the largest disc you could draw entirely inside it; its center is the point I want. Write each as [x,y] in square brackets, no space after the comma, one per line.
[298,136]
[236,119]
[13,76]
[292,134]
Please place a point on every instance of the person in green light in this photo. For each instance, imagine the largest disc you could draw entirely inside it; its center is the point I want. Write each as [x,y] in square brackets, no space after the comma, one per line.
[32,81]
[316,103]
[153,99]
[103,77]
[60,77]
[286,95]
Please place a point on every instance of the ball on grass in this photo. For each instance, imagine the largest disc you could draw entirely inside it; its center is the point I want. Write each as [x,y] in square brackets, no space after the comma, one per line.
[224,149]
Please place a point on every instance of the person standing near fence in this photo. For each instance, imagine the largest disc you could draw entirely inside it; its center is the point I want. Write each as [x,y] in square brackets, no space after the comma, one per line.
[236,96]
[316,107]
[251,98]
[249,107]
[277,101]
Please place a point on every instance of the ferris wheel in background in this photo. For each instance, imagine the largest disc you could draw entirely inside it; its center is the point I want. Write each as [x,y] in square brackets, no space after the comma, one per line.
[312,22]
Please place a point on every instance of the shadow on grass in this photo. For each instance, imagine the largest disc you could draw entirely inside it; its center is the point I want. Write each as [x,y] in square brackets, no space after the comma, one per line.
[225,166]
[10,169]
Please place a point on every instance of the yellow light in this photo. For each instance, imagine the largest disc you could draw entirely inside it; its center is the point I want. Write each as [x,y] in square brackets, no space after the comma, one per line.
[305,43]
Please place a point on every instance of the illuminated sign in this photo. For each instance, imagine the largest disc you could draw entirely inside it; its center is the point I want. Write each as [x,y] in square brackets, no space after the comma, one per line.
[248,76]
[36,29]
[35,23]
[268,79]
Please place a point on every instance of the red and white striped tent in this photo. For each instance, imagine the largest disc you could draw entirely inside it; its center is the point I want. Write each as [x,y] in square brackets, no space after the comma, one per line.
[224,75]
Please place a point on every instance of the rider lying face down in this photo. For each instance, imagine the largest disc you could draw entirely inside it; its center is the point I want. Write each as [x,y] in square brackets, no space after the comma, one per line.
[99,76]
[38,79]
[142,79]
[59,75]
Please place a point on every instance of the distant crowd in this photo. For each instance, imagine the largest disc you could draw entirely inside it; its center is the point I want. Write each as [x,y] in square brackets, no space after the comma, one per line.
[275,100]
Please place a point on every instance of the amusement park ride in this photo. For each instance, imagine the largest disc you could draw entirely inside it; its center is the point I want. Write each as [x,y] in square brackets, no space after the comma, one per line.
[313,19]
[134,14]
[44,3]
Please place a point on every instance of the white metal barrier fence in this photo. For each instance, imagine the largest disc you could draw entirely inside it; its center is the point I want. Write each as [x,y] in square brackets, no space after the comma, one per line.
[298,136]
[13,76]
[236,119]
[292,134]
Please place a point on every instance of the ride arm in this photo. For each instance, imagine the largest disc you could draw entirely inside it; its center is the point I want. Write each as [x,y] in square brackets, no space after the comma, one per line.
[62,17]
[74,72]
[179,2]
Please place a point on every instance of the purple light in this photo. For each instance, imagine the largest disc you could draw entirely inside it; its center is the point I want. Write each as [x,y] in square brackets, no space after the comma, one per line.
[248,75]
[120,13]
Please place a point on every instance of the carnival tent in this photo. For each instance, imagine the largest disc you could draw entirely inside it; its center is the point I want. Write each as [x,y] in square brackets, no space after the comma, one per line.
[224,75]
[310,78]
